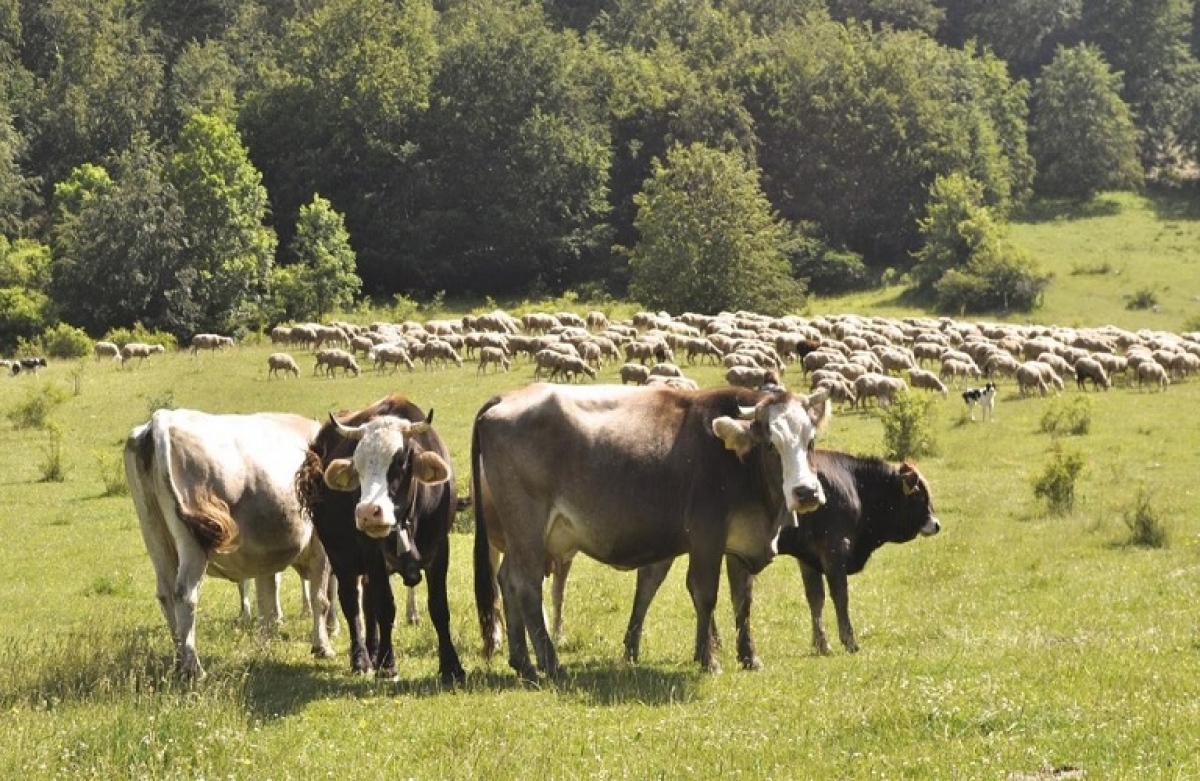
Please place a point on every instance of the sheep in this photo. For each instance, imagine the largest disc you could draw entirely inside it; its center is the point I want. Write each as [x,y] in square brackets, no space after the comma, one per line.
[1152,372]
[107,350]
[665,370]
[839,389]
[635,373]
[955,368]
[333,359]
[281,362]
[492,355]
[139,350]
[440,351]
[747,376]
[1029,377]
[571,366]
[212,342]
[921,378]
[393,353]
[1090,369]
[882,387]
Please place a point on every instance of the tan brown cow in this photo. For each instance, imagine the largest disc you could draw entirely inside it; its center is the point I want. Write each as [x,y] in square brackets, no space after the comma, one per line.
[709,473]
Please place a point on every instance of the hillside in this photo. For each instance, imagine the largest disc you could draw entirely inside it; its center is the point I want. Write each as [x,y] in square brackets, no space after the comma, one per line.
[1101,253]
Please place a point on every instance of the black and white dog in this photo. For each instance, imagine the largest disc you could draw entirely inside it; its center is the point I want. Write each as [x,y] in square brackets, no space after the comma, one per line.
[26,365]
[985,397]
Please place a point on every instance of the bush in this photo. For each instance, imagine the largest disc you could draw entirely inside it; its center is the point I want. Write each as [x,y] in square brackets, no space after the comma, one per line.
[1147,529]
[1056,484]
[164,400]
[907,427]
[1064,417]
[112,473]
[1142,299]
[66,341]
[34,411]
[992,283]
[52,467]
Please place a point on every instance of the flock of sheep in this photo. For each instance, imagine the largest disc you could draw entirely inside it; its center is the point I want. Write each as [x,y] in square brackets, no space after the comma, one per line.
[856,359]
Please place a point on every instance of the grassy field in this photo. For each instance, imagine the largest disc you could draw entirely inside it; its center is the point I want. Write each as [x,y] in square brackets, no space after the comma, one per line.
[1015,645]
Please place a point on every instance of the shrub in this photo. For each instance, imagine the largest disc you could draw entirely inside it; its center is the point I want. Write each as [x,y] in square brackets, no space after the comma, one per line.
[139,333]
[1056,484]
[1064,417]
[164,400]
[34,411]
[1142,299]
[1147,529]
[907,427]
[66,341]
[112,473]
[52,467]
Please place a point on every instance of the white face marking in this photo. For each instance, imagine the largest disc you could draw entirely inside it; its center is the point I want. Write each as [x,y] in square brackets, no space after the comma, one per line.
[792,432]
[382,439]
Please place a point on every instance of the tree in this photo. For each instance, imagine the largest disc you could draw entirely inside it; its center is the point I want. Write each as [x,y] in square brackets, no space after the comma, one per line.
[25,308]
[1082,134]
[709,241]
[966,261]
[118,247]
[324,274]
[227,248]
[18,192]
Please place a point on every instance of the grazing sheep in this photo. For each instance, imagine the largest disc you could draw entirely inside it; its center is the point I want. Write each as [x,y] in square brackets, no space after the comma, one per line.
[955,368]
[751,377]
[281,362]
[493,355]
[107,350]
[927,380]
[635,373]
[212,342]
[393,353]
[1153,373]
[1030,378]
[1090,369]
[840,390]
[665,370]
[333,359]
[570,366]
[139,350]
[881,387]
[440,351]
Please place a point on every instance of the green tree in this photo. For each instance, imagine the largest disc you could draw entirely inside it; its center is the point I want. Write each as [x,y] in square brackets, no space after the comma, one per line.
[1081,132]
[709,241]
[18,192]
[228,248]
[118,247]
[325,262]
[966,261]
[25,308]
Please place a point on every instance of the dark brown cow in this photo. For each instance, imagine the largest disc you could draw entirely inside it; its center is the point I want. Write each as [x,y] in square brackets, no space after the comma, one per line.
[631,477]
[380,488]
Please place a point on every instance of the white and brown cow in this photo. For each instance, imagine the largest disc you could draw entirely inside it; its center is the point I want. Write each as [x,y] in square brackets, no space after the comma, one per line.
[214,494]
[632,476]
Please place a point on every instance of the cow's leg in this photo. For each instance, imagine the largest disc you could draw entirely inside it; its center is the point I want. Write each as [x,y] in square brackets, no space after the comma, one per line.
[741,591]
[270,612]
[649,579]
[558,590]
[186,594]
[245,615]
[449,667]
[839,591]
[315,580]
[814,592]
[703,580]
[349,593]
[382,617]
[514,619]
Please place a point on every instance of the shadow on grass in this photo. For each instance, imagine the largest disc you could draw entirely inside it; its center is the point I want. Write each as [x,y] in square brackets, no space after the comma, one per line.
[1175,203]
[1066,209]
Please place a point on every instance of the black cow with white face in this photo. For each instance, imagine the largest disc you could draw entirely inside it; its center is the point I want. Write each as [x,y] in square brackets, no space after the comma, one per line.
[381,491]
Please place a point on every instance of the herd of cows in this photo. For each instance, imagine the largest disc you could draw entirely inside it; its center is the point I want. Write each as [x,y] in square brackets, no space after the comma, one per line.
[632,476]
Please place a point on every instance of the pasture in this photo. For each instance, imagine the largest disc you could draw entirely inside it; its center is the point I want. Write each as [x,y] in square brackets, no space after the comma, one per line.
[1015,644]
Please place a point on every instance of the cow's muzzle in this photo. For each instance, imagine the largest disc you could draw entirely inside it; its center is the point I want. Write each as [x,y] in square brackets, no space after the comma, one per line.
[409,569]
[372,521]
[805,499]
[931,527]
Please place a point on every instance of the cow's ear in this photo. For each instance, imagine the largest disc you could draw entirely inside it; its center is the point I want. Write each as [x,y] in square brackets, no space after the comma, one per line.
[340,475]
[819,408]
[910,479]
[736,434]
[431,468]
[417,429]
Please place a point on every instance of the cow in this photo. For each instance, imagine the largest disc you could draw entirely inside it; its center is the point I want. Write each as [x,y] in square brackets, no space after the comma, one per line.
[632,476]
[380,488]
[868,502]
[214,494]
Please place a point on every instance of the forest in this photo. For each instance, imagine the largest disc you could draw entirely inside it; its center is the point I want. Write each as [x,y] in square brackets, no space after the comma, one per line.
[216,165]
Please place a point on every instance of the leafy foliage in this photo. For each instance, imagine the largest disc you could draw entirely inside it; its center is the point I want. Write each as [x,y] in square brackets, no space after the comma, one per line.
[908,426]
[1064,416]
[323,279]
[33,412]
[66,341]
[709,240]
[1056,483]
[1147,527]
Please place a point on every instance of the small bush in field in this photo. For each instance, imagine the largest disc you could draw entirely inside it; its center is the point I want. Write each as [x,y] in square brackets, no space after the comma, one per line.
[1056,484]
[66,341]
[1068,417]
[164,400]
[1142,299]
[34,411]
[52,468]
[1147,529]
[139,333]
[907,429]
[112,473]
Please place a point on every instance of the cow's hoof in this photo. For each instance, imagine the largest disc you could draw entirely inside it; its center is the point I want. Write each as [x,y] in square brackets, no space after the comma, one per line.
[754,664]
[455,677]
[323,652]
[387,674]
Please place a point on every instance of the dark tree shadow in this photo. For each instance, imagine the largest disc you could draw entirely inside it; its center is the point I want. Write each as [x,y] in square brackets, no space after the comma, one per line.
[1065,209]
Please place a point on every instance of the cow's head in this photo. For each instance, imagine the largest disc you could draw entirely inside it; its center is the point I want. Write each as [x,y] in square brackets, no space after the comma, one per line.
[384,466]
[916,514]
[788,424]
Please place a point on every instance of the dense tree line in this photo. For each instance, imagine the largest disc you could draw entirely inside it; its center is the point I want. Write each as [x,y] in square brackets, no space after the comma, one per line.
[207,164]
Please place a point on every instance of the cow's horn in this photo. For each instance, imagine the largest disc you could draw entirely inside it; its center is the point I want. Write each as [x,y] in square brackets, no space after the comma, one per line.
[349,432]
[746,413]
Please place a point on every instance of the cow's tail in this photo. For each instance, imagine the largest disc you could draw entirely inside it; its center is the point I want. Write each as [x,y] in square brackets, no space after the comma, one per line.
[206,516]
[485,579]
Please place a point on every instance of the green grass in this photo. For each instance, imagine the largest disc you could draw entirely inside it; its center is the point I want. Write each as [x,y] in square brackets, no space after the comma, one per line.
[1014,643]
